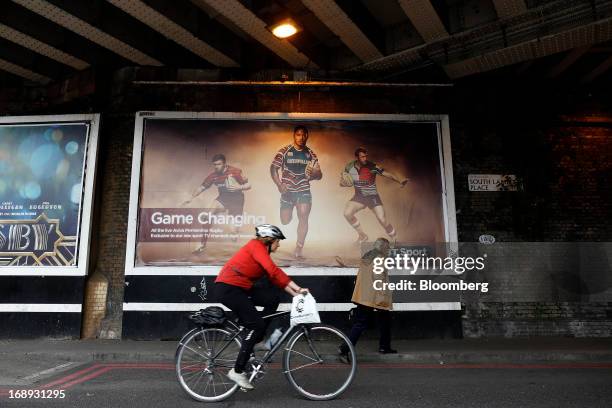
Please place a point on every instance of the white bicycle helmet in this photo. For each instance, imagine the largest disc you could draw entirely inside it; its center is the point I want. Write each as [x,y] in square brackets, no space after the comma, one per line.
[268,230]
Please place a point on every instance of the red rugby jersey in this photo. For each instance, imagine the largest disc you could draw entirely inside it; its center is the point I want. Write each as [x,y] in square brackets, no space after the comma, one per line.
[250,263]
[218,179]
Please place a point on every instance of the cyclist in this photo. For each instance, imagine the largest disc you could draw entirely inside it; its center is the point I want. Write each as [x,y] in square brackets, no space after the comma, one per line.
[234,288]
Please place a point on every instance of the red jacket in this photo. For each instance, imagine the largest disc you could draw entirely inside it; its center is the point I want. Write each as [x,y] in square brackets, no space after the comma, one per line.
[250,263]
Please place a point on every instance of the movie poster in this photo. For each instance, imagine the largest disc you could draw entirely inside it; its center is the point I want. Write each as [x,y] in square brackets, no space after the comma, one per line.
[41,188]
[330,185]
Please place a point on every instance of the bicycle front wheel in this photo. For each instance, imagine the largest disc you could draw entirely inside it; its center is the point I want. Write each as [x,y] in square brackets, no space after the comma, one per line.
[202,375]
[312,363]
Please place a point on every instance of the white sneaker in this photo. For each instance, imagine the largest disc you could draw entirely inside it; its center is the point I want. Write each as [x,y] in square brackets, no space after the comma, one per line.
[241,379]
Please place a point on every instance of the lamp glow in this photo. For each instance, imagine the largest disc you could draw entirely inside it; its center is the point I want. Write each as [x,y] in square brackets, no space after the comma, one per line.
[284,30]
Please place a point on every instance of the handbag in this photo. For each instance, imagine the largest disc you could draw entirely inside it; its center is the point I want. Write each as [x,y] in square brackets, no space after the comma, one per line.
[304,310]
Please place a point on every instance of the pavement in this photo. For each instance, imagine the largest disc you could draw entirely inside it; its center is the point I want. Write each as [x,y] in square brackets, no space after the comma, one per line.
[486,350]
[537,372]
[27,361]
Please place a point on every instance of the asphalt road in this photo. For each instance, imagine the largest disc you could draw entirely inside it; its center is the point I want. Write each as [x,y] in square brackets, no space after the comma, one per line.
[154,385]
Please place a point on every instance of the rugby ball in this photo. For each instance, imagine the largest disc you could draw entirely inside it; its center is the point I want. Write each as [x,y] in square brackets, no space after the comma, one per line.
[311,166]
[232,184]
[346,180]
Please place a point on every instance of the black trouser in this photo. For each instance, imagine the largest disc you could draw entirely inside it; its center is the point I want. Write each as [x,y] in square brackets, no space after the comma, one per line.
[362,317]
[242,302]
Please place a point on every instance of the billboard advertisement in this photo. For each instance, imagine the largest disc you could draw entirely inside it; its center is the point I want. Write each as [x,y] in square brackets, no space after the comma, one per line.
[331,182]
[46,165]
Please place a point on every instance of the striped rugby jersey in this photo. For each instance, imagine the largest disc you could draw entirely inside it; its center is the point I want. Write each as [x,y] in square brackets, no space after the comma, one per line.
[219,179]
[293,164]
[364,178]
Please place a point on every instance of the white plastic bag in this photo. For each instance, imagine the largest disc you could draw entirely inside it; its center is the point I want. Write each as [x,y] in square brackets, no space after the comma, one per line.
[304,310]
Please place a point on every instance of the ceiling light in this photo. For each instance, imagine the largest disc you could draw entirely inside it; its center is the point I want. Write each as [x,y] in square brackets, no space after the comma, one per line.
[285,29]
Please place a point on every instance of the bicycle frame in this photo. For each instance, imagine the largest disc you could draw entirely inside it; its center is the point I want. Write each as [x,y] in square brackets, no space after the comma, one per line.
[268,356]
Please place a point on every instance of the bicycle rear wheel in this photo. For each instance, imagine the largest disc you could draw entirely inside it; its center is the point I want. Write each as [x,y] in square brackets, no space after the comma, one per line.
[312,364]
[202,377]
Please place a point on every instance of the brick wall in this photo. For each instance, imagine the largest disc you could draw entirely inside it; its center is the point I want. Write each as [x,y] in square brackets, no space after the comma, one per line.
[113,189]
[557,142]
[560,146]
[524,319]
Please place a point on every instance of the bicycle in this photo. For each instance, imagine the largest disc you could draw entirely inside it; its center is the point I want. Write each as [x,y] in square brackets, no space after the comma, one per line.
[206,353]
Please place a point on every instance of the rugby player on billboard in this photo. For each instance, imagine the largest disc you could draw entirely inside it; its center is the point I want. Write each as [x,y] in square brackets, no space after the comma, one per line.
[230,183]
[298,165]
[361,174]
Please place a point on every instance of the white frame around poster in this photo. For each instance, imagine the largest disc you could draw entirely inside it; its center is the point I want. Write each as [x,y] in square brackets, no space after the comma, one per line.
[84,228]
[446,168]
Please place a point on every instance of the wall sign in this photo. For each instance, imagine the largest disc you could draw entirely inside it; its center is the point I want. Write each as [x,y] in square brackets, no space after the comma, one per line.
[492,182]
[486,239]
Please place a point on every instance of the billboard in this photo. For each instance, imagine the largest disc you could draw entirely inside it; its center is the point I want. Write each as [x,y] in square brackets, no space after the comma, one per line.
[46,180]
[201,182]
